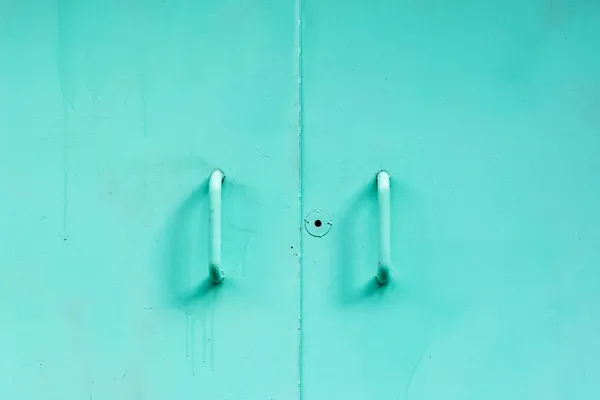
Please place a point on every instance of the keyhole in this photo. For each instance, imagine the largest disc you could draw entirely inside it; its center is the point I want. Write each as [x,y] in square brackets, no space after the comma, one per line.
[317,223]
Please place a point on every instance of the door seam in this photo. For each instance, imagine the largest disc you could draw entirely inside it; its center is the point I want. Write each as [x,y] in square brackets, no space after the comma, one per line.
[299,101]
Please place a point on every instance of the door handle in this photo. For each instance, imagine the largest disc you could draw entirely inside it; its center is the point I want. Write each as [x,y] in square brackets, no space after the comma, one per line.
[383,198]
[215,184]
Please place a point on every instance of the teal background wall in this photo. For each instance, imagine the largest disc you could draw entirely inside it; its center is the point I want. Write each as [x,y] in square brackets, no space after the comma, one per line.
[113,114]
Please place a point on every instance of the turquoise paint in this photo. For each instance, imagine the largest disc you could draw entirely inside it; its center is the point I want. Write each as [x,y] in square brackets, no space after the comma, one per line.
[486,116]
[114,116]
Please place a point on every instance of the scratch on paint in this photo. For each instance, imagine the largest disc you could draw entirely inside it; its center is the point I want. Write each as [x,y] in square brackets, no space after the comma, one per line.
[412,374]
[261,152]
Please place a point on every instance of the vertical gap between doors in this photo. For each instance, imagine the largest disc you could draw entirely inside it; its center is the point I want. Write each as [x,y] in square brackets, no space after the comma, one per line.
[298,52]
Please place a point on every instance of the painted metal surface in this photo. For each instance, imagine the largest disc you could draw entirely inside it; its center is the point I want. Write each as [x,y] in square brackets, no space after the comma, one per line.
[113,114]
[486,115]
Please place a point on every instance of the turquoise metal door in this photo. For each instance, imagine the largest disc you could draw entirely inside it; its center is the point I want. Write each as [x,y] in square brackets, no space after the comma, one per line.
[113,115]
[486,115]
[147,146]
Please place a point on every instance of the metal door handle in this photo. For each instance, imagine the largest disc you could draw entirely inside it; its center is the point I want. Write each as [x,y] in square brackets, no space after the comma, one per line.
[383,198]
[215,184]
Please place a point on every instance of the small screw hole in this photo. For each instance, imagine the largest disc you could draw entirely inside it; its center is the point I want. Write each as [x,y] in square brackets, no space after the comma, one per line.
[318,223]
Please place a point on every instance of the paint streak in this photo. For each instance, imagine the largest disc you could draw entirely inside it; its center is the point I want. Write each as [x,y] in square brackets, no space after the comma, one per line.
[244,259]
[64,73]
[188,335]
[64,51]
[211,339]
[65,146]
[204,340]
[144,116]
[192,346]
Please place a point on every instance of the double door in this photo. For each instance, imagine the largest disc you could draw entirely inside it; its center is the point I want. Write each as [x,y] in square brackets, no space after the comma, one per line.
[113,117]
